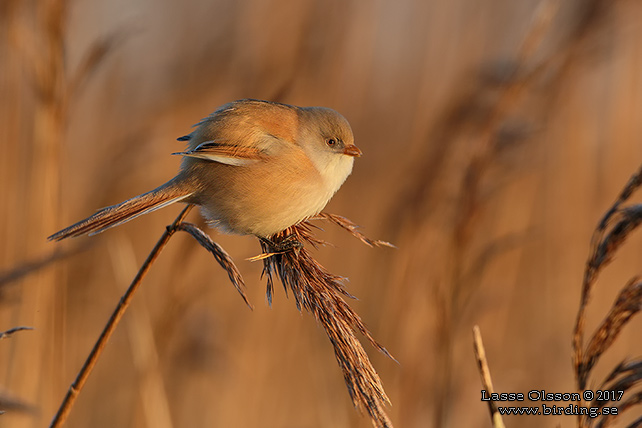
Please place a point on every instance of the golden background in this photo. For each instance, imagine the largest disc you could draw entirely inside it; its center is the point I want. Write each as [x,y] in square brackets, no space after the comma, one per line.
[495,135]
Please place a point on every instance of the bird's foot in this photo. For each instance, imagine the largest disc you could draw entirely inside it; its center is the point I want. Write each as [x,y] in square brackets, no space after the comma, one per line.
[288,243]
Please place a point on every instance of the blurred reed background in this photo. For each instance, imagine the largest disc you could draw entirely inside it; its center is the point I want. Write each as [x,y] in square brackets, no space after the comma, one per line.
[494,140]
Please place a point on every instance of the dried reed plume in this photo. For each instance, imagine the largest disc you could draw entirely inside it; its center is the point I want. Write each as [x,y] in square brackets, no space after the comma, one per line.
[314,288]
[322,294]
[609,235]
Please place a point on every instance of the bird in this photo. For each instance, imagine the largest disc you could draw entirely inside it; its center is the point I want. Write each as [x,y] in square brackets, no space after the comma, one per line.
[253,167]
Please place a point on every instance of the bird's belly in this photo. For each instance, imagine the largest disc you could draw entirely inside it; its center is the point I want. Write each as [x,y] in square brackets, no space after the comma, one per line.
[271,205]
[264,218]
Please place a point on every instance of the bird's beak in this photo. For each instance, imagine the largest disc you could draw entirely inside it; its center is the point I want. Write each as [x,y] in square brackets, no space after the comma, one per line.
[352,150]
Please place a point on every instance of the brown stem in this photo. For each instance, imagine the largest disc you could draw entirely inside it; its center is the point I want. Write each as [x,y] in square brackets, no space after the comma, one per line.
[484,372]
[125,300]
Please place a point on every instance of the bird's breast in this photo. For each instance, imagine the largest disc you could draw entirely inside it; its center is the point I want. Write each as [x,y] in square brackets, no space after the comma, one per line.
[264,198]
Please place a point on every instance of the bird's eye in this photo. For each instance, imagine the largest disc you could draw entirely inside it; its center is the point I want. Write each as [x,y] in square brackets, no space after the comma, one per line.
[331,142]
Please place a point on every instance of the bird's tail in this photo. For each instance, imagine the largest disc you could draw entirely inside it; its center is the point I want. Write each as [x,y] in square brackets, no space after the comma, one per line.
[168,193]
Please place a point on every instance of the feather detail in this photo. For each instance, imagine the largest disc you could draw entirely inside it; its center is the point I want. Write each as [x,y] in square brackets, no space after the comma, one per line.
[115,215]
[228,154]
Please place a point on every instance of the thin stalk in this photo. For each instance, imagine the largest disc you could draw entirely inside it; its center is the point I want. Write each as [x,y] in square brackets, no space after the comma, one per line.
[77,385]
[484,372]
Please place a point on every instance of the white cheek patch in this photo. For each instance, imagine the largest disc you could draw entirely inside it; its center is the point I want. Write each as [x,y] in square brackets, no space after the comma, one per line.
[337,171]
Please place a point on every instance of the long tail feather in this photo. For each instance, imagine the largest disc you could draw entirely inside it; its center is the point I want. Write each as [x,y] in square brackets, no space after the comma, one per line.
[121,213]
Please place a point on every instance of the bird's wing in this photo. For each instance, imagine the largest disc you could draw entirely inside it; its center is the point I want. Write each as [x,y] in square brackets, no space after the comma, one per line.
[243,132]
[224,152]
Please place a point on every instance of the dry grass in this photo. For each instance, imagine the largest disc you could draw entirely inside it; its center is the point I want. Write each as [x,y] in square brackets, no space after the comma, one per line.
[486,379]
[484,147]
[611,232]
[206,242]
[315,289]
[322,294]
[614,228]
[8,333]
[420,82]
